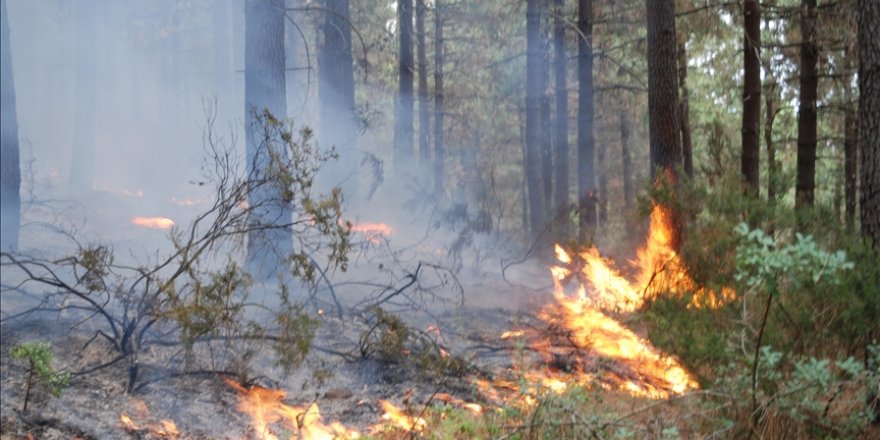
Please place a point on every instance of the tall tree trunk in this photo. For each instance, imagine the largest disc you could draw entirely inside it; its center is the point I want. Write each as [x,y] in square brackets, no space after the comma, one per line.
[850,164]
[82,173]
[403,128]
[684,110]
[221,35]
[267,249]
[439,152]
[10,171]
[627,160]
[751,120]
[666,151]
[297,73]
[546,149]
[424,102]
[869,119]
[336,92]
[560,136]
[806,141]
[602,177]
[772,164]
[535,85]
[586,140]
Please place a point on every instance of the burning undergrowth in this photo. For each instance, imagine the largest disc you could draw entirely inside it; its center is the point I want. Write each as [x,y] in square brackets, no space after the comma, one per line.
[580,338]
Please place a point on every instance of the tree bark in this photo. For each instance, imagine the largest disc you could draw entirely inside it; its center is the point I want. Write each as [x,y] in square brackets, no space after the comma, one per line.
[535,85]
[338,127]
[684,111]
[297,74]
[560,136]
[869,118]
[666,150]
[772,165]
[751,120]
[82,172]
[424,102]
[10,171]
[850,165]
[439,152]
[403,128]
[586,140]
[627,160]
[267,249]
[221,35]
[663,125]
[809,83]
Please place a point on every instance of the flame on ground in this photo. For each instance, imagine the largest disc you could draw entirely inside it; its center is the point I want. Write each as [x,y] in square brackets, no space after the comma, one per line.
[165,428]
[588,329]
[265,408]
[153,222]
[398,418]
[373,232]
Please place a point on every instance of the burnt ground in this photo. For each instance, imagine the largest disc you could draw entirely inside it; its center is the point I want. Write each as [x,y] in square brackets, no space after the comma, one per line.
[345,386]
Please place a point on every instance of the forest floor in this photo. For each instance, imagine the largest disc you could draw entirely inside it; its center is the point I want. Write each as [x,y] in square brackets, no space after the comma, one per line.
[347,389]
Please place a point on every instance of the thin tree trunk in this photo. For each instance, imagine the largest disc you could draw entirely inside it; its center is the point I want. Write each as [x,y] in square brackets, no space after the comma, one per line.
[10,171]
[424,102]
[869,121]
[684,111]
[403,129]
[560,137]
[439,152]
[751,120]
[535,85]
[806,142]
[772,165]
[546,151]
[627,160]
[602,175]
[269,248]
[82,173]
[586,140]
[850,164]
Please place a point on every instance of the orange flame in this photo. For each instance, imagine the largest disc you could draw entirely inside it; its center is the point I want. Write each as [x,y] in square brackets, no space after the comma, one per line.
[265,408]
[585,318]
[164,429]
[153,222]
[373,232]
[398,418]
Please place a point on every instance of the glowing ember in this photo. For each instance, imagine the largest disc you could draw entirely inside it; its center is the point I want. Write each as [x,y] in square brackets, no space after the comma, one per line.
[454,401]
[153,222]
[373,232]
[398,418]
[265,408]
[127,423]
[164,429]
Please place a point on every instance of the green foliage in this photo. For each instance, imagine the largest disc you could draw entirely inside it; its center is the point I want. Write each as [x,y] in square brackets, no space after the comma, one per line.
[40,372]
[808,396]
[761,262]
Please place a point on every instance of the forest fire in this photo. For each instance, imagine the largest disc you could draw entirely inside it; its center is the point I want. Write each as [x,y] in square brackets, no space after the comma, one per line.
[153,222]
[397,417]
[586,328]
[265,408]
[373,232]
[165,428]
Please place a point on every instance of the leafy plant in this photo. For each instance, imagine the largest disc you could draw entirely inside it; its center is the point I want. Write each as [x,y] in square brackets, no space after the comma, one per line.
[40,372]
